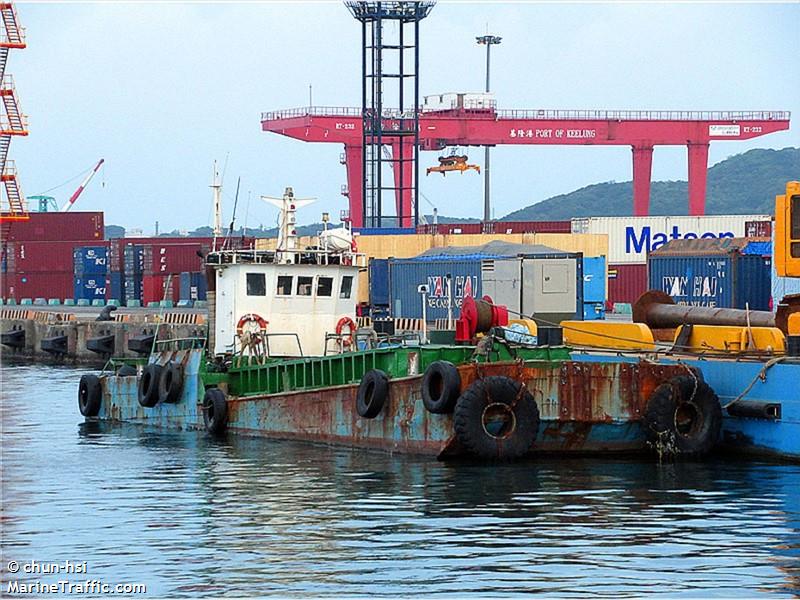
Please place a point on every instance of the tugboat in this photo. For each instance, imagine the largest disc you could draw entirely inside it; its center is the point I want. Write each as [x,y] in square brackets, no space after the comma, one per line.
[285,359]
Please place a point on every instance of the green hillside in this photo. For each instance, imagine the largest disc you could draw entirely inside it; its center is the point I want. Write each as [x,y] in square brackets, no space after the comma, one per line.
[742,184]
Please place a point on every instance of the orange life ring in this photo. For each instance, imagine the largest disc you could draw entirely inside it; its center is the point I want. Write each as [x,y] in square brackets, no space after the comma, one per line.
[350,339]
[251,318]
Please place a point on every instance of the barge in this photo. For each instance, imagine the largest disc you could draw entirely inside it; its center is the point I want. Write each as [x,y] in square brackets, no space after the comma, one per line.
[284,359]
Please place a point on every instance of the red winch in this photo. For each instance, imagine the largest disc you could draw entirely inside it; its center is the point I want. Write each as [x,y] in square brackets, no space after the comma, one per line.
[479,316]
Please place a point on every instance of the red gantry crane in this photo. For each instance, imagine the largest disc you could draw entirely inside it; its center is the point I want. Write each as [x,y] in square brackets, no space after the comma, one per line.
[12,122]
[463,120]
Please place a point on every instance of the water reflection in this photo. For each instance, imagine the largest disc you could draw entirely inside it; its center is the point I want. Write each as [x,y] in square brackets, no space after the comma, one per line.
[188,514]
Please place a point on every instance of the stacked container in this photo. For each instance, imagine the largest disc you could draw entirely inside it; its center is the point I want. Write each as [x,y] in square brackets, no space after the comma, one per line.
[630,239]
[715,273]
[90,269]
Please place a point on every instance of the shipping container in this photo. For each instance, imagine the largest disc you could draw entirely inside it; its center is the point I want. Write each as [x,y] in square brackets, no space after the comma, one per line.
[631,238]
[758,229]
[90,260]
[594,287]
[35,257]
[133,287]
[405,277]
[171,259]
[779,286]
[711,272]
[116,286]
[156,288]
[495,227]
[379,282]
[199,286]
[90,287]
[626,282]
[40,284]
[84,227]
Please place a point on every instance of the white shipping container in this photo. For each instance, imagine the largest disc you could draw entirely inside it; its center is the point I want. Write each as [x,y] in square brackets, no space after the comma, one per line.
[631,238]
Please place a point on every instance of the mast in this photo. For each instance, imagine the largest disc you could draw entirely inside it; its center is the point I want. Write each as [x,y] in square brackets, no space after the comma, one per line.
[287,232]
[216,193]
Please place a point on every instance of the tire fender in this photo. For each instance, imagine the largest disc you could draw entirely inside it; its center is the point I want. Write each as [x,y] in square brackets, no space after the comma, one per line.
[170,384]
[496,418]
[215,411]
[90,395]
[683,417]
[372,394]
[441,387]
[148,385]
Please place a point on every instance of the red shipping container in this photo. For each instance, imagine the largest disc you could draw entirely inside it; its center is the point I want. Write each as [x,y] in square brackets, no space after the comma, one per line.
[156,288]
[626,282]
[37,285]
[87,227]
[37,257]
[167,259]
[758,229]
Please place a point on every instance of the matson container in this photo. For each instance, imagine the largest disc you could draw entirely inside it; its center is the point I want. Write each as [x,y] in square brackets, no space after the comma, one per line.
[405,277]
[631,238]
[712,273]
[37,285]
[626,282]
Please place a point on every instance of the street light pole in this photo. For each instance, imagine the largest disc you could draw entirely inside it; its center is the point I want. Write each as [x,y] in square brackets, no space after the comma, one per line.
[487,40]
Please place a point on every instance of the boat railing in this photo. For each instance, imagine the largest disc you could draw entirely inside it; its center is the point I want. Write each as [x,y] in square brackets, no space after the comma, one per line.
[183,343]
[318,256]
[261,352]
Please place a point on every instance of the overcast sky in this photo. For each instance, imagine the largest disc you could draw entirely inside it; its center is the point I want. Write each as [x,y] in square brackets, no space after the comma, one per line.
[161,90]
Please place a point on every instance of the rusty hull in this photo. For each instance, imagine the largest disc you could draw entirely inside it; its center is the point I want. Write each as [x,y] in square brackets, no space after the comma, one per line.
[584,407]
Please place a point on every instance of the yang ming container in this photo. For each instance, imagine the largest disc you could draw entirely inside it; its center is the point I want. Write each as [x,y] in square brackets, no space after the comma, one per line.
[712,273]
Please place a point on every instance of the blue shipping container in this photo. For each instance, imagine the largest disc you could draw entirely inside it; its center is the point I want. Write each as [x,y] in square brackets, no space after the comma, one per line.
[594,279]
[379,282]
[133,259]
[133,287]
[90,260]
[116,286]
[90,287]
[719,281]
[185,286]
[199,286]
[405,277]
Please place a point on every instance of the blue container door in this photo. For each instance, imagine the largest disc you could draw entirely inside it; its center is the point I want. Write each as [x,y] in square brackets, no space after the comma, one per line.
[594,279]
[90,260]
[199,286]
[133,287]
[90,287]
[116,286]
[694,280]
[405,277]
[379,282]
[185,286]
[753,282]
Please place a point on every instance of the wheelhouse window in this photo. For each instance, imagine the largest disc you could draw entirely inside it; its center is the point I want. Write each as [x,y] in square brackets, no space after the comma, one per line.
[304,286]
[284,285]
[324,286]
[256,284]
[347,287]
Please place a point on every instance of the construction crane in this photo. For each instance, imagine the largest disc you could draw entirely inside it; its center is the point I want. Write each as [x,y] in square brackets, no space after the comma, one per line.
[82,186]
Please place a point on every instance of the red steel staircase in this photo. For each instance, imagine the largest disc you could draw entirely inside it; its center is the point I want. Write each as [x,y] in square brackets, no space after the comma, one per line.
[12,122]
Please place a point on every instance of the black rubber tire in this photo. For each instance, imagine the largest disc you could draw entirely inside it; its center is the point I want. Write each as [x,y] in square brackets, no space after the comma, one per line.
[90,395]
[491,396]
[441,386]
[683,421]
[148,385]
[126,371]
[215,411]
[372,393]
[170,384]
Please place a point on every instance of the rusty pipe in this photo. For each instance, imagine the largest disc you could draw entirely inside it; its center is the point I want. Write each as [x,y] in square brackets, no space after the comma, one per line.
[658,310]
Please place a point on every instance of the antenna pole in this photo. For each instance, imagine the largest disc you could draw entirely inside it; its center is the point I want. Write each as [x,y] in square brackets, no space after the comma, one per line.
[216,192]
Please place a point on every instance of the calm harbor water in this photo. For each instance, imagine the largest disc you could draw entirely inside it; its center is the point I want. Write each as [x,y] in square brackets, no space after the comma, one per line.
[188,515]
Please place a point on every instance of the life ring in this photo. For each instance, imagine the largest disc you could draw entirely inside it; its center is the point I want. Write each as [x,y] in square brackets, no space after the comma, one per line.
[148,385]
[170,384]
[346,340]
[372,393]
[496,418]
[241,326]
[683,417]
[90,395]
[215,410]
[441,386]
